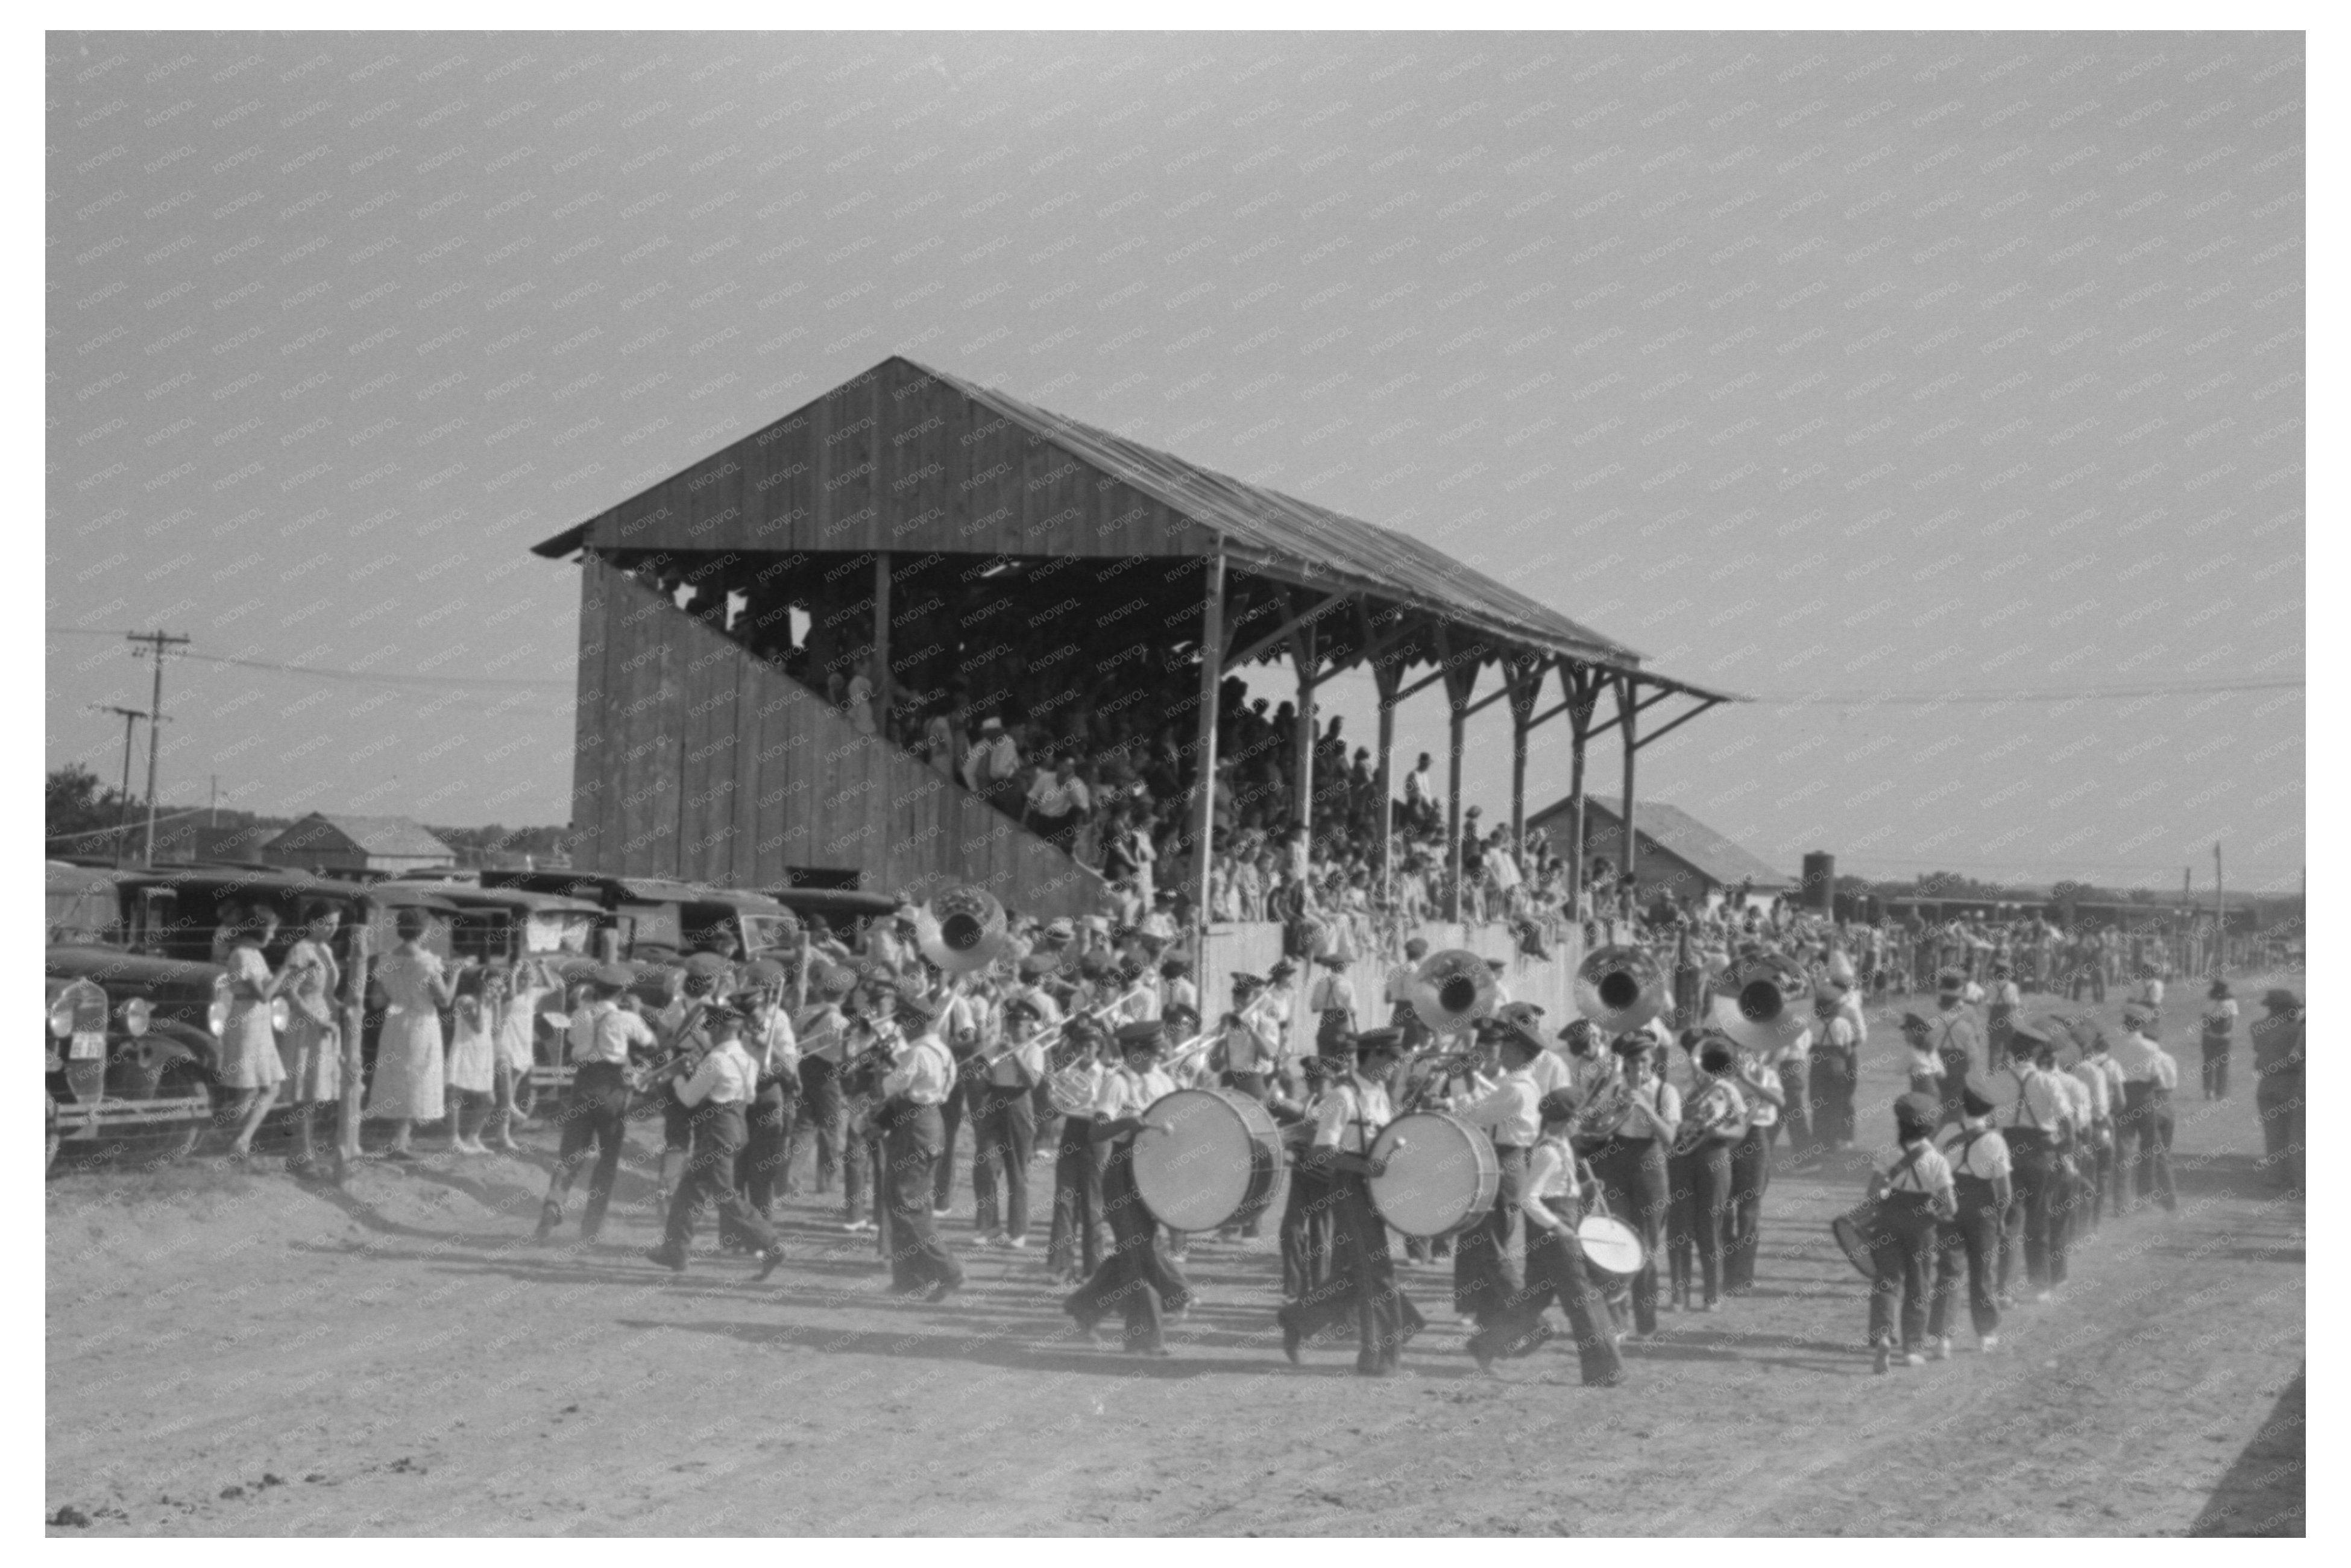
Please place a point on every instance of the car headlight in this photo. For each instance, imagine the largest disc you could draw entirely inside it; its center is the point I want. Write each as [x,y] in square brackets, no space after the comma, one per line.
[134,1015]
[61,1018]
[216,1015]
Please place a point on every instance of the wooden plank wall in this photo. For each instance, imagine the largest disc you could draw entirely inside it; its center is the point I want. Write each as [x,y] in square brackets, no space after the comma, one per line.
[896,460]
[695,760]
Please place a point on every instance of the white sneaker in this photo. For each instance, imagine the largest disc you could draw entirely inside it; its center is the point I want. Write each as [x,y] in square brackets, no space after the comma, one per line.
[941,1213]
[1988,1343]
[1912,1358]
[1017,1243]
[2042,1297]
[1941,1349]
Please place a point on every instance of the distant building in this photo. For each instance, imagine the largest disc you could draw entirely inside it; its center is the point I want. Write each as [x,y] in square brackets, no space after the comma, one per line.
[320,841]
[190,842]
[1678,854]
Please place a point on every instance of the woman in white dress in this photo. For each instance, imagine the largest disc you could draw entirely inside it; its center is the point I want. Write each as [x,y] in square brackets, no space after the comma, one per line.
[310,1046]
[408,1065]
[249,1064]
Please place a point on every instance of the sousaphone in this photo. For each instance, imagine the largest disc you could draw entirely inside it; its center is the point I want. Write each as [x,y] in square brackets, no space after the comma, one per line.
[1766,1004]
[1452,989]
[1619,989]
[961,930]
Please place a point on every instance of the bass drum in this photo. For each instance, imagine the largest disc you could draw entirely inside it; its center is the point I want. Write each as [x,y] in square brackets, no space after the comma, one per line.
[1852,1229]
[1441,1177]
[1207,1158]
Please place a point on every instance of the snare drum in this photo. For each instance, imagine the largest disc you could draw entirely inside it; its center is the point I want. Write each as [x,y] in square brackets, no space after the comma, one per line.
[1852,1229]
[1441,1177]
[1207,1158]
[1611,1246]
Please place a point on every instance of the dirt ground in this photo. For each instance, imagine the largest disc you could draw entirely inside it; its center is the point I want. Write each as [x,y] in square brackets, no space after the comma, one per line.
[234,1353]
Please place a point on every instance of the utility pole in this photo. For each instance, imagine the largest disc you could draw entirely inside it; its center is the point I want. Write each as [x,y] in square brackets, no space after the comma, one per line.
[214,820]
[158,644]
[2220,916]
[131,716]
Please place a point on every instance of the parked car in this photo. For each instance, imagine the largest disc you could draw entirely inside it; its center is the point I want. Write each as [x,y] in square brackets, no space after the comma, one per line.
[661,920]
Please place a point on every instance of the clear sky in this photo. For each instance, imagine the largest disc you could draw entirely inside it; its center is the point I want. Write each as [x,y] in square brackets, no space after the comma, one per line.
[1840,370]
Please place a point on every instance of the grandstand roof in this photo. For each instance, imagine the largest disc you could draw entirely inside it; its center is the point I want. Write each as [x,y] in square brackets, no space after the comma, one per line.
[907,457]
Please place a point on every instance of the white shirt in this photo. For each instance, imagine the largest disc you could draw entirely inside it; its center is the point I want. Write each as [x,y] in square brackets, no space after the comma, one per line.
[779,1047]
[728,1076]
[925,1072]
[1349,1115]
[2026,1097]
[2136,1054]
[2093,1080]
[1550,1070]
[1123,1093]
[1049,797]
[1006,1071]
[1929,1172]
[1719,1097]
[1661,1097]
[1987,1153]
[1255,1045]
[603,1031]
[1550,1173]
[1508,1111]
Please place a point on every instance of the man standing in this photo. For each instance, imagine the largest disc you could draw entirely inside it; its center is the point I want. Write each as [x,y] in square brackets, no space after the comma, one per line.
[2277,1039]
[2142,1160]
[2030,1109]
[1956,1045]
[1362,1284]
[1486,1277]
[1836,1062]
[1630,1163]
[1421,806]
[1005,1127]
[1136,1275]
[1057,803]
[600,1039]
[1251,1045]
[1750,1172]
[916,1087]
[717,1095]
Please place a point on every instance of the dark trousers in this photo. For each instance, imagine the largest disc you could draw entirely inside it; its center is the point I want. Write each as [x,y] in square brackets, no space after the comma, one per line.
[1308,1231]
[2143,1145]
[1256,1086]
[1750,1177]
[1136,1276]
[1360,1285]
[1795,1110]
[951,1119]
[2279,1099]
[1632,1175]
[1832,1090]
[1486,1275]
[910,1143]
[1698,1189]
[1004,1135]
[1969,1244]
[2093,976]
[719,1135]
[1556,1271]
[819,1114]
[2094,1156]
[2215,1068]
[2036,1219]
[1901,1248]
[596,1112]
[861,1160]
[768,1151]
[1075,1246]
[2000,1030]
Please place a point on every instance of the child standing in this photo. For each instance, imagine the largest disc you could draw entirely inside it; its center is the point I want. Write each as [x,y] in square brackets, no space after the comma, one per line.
[1912,1194]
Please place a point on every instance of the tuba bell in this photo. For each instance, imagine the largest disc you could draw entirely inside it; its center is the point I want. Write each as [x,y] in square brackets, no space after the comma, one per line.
[961,930]
[1766,1003]
[1451,989]
[1619,989]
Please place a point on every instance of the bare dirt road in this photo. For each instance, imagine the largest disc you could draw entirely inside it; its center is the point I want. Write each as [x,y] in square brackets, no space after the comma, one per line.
[231,1352]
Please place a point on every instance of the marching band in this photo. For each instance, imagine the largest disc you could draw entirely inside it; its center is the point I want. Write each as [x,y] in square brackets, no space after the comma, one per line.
[1552,1176]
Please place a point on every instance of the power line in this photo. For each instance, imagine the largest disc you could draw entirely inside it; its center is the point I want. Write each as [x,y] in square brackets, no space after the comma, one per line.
[365,676]
[158,644]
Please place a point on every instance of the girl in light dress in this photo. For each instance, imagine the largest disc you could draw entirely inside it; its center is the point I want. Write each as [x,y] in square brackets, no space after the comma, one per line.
[312,1044]
[470,1071]
[409,1070]
[249,1064]
[514,999]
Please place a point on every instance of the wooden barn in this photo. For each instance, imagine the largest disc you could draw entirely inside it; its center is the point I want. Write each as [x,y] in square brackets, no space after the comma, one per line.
[948,546]
[1678,855]
[322,841]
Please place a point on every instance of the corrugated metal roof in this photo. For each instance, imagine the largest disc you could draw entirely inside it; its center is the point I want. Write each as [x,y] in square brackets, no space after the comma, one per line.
[394,836]
[1313,542]
[1678,833]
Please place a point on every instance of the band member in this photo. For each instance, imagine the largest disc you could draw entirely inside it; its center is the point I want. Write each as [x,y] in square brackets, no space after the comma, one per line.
[1750,1172]
[2278,1056]
[1629,1161]
[602,1037]
[1956,1045]
[1837,1068]
[1333,1003]
[1402,1014]
[1970,1241]
[1792,1064]
[2219,1038]
[2030,1109]
[1700,1178]
[822,1029]
[965,1021]
[1925,1067]
[1250,1048]
[1999,1017]
[1362,1284]
[2143,1153]
[1551,1208]
[1486,1277]
[775,1104]
[1549,1068]
[1004,1131]
[1307,1228]
[918,1085]
[717,1096]
[1911,1194]
[1074,1247]
[1136,1274]
[2093,1130]
[683,1036]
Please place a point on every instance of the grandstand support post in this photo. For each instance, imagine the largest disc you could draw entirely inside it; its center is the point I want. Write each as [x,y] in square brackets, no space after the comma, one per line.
[1626,708]
[1386,679]
[1577,682]
[1203,774]
[1302,789]
[1526,685]
[1458,688]
[882,643]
